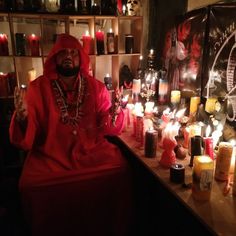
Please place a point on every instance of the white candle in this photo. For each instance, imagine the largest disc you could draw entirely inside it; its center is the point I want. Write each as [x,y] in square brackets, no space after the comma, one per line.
[136,88]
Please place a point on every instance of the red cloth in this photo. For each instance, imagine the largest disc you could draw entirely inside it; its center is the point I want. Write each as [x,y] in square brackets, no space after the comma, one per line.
[69,181]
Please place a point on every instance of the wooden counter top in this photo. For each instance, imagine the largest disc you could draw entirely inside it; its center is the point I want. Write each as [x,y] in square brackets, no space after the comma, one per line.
[218,214]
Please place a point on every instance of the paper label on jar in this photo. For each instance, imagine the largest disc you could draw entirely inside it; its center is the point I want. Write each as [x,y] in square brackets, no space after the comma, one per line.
[206,179]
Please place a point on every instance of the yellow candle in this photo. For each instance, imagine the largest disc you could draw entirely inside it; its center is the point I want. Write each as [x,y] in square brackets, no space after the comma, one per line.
[223,161]
[210,105]
[194,102]
[175,96]
[202,177]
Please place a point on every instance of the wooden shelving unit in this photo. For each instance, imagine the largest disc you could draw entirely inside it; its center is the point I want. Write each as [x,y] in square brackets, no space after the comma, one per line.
[46,26]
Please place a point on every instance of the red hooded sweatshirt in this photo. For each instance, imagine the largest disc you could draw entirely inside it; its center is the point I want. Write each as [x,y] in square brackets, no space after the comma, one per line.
[57,151]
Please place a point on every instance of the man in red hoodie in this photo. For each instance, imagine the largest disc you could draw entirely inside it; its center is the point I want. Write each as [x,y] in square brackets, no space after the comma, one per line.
[74,182]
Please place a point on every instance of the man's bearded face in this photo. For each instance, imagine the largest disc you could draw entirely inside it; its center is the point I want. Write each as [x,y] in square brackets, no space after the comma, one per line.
[67,62]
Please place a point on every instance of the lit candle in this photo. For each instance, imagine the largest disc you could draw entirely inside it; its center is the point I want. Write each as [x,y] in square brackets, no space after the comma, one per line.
[110,42]
[202,177]
[166,115]
[194,102]
[34,44]
[4,45]
[137,111]
[100,42]
[223,161]
[149,108]
[87,40]
[136,88]
[168,157]
[208,143]
[151,137]
[124,10]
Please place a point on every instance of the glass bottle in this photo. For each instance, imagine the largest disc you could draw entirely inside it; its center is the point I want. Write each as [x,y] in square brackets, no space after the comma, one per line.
[150,76]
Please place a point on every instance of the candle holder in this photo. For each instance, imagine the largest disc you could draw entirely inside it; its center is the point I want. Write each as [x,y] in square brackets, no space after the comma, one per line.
[129,43]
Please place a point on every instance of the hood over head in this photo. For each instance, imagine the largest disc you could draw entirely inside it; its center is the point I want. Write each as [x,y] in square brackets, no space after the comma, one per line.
[65,41]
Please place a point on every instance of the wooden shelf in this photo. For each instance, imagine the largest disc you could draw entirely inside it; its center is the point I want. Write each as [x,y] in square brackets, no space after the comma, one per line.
[46,25]
[218,214]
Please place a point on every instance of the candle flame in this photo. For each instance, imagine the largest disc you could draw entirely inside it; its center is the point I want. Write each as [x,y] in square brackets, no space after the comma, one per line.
[151,51]
[107,75]
[208,131]
[138,109]
[233,142]
[110,30]
[86,33]
[166,111]
[141,57]
[204,159]
[125,98]
[180,113]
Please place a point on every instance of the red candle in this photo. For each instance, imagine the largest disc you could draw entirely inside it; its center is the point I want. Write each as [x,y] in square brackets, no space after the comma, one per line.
[87,40]
[209,147]
[34,44]
[4,45]
[168,157]
[3,85]
[100,42]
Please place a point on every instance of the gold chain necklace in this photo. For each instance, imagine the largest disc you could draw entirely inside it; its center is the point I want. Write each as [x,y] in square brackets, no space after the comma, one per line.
[66,118]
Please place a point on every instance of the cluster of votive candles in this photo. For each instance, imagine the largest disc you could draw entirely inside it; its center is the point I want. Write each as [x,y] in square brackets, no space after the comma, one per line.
[87,41]
[200,147]
[33,43]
